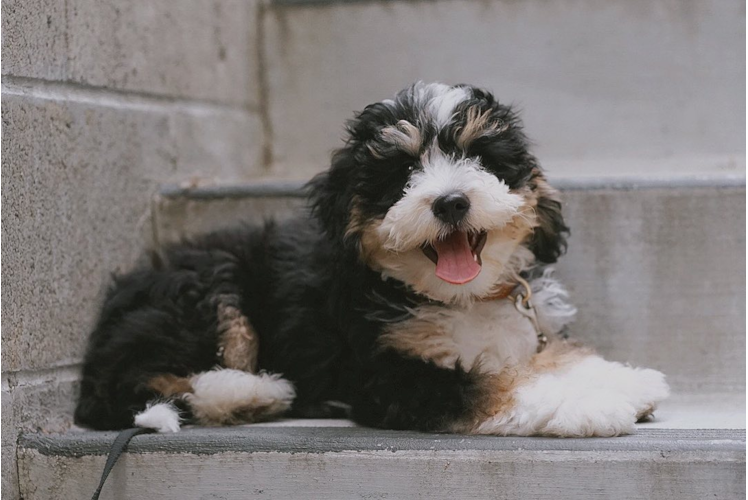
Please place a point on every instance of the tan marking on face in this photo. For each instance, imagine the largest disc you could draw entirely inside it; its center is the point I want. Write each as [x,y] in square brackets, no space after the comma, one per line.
[405,136]
[415,269]
[169,385]
[478,124]
[526,220]
[238,342]
[412,264]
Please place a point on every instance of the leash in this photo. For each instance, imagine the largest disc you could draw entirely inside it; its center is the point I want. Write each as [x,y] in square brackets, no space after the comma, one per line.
[523,304]
[118,446]
[520,294]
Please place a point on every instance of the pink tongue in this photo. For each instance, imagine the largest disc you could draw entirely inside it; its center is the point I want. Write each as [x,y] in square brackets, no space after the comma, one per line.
[456,264]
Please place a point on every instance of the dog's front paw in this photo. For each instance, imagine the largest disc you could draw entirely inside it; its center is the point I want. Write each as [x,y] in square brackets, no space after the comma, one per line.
[595,414]
[592,397]
[604,398]
[645,388]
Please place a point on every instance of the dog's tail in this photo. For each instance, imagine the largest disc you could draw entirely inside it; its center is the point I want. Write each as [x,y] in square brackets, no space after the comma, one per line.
[218,397]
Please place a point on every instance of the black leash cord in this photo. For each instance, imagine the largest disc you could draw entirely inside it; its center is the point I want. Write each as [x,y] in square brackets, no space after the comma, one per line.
[118,446]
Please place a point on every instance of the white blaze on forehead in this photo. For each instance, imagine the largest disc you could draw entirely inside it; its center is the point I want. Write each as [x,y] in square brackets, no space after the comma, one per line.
[443,104]
[439,101]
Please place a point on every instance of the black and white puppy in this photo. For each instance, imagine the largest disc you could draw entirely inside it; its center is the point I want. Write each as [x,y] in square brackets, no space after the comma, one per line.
[402,296]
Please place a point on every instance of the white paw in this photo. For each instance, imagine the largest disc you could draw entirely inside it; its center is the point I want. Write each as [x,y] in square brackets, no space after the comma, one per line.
[643,388]
[605,398]
[598,414]
[229,397]
[162,416]
[591,398]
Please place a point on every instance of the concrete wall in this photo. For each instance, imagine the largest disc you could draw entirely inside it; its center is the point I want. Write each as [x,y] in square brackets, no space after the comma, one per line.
[102,101]
[658,86]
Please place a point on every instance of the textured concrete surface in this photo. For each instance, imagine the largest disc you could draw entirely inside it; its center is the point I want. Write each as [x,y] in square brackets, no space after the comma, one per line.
[102,102]
[80,167]
[8,466]
[36,401]
[596,80]
[203,49]
[259,439]
[657,273]
[700,411]
[179,213]
[9,471]
[351,462]
[44,396]
[79,179]
[33,35]
[658,276]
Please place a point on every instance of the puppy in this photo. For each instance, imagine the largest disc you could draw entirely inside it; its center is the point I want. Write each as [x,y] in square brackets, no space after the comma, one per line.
[413,295]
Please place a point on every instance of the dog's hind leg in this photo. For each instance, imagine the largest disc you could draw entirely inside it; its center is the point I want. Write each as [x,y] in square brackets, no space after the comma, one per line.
[229,397]
[218,397]
[238,343]
[160,415]
[163,413]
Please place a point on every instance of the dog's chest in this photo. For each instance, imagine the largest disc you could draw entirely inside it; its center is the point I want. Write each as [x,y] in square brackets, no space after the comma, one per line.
[494,333]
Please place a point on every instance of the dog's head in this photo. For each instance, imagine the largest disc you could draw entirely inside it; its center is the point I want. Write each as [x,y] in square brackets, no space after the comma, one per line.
[436,188]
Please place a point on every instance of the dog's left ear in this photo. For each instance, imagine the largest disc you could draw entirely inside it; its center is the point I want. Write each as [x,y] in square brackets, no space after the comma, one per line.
[548,241]
[329,194]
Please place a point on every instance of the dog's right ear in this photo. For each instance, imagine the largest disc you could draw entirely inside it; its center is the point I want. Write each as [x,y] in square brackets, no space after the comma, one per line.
[330,194]
[548,241]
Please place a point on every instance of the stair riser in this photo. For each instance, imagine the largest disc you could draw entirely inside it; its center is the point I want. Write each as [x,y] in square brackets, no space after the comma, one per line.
[658,276]
[594,80]
[387,474]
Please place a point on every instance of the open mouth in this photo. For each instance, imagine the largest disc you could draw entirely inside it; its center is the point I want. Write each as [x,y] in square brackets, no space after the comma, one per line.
[457,256]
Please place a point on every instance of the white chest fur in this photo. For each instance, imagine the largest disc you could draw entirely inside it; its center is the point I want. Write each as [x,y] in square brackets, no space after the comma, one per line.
[492,332]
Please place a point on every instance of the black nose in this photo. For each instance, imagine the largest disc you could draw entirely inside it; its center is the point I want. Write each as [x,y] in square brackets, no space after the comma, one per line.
[451,208]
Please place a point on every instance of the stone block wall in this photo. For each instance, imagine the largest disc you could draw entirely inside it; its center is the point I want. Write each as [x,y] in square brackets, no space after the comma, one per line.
[102,102]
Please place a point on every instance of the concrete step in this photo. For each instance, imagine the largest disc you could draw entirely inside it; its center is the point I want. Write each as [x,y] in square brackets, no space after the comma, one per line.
[655,265]
[335,461]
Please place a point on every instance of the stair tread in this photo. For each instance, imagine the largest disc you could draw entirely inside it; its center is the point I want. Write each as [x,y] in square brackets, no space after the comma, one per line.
[306,439]
[709,422]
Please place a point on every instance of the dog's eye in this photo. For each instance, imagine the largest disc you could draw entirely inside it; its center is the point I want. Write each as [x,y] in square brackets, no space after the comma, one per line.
[411,168]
